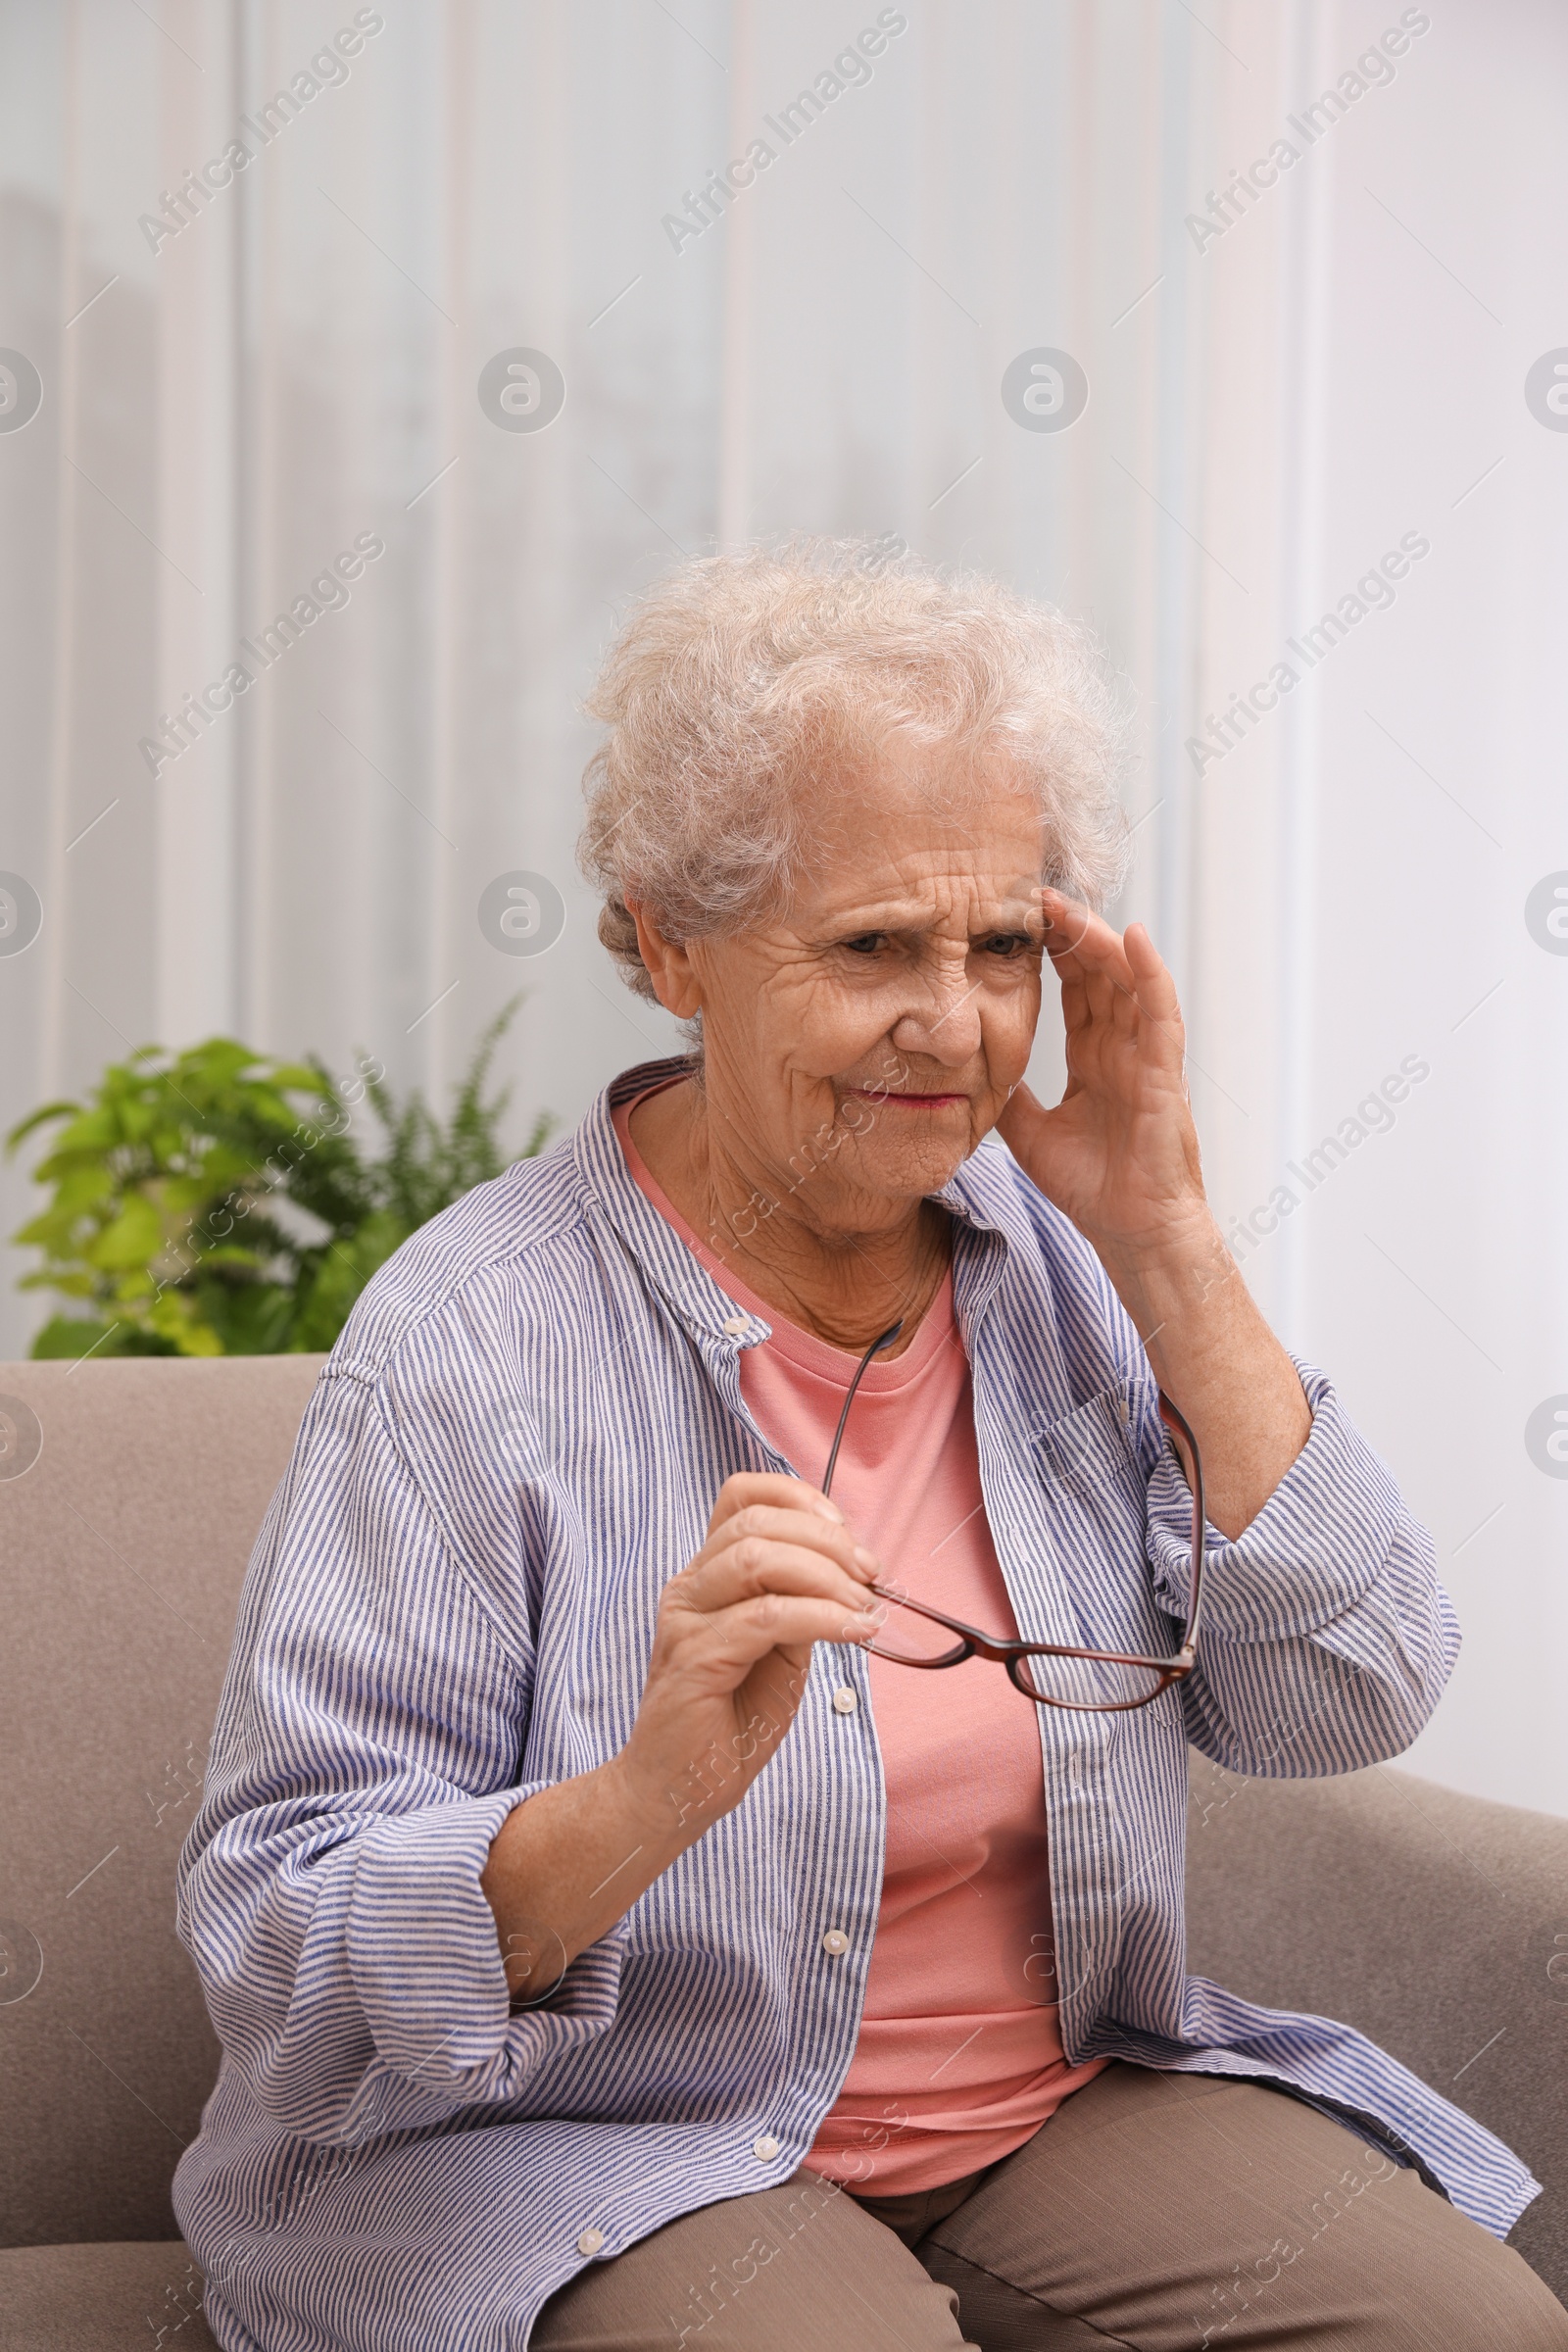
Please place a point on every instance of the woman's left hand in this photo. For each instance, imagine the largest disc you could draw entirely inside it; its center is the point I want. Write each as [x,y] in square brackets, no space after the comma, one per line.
[1118,1155]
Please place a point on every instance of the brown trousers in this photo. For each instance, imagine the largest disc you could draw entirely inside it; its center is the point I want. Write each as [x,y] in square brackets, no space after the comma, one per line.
[1160,2212]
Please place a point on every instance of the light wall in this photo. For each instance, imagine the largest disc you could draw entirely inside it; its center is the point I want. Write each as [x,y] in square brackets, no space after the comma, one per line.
[1271,410]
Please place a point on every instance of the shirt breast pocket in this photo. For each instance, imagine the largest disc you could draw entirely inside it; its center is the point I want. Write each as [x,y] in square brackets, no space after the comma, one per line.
[1089,1451]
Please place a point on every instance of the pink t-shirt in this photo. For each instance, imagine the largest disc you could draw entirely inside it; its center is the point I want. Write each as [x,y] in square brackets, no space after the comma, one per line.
[959,2059]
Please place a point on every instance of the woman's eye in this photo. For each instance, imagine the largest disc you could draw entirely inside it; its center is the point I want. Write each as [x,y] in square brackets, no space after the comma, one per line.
[1007,943]
[865,943]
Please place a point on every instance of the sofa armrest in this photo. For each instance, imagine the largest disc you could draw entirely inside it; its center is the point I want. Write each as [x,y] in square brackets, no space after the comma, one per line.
[1436,1923]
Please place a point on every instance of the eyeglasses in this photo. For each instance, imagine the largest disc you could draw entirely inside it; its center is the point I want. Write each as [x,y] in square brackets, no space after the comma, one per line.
[1094,1680]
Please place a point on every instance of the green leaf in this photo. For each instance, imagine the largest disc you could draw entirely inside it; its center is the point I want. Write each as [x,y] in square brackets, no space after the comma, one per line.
[135,1239]
[39,1118]
[252,1318]
[69,1335]
[82,1186]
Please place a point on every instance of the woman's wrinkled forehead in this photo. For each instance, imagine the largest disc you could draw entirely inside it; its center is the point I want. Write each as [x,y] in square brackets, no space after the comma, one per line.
[902,792]
[912,827]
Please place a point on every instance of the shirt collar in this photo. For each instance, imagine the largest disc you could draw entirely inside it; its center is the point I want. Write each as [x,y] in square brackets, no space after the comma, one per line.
[978,1199]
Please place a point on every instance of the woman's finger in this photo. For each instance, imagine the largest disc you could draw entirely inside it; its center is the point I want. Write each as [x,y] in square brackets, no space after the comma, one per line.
[1083,942]
[1155,989]
[1119,981]
[1158,1032]
[720,1650]
[1088,949]
[759,1564]
[836,1540]
[1110,998]
[773,1487]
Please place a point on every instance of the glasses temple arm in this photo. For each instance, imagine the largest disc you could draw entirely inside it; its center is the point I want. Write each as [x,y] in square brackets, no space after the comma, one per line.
[886,1341]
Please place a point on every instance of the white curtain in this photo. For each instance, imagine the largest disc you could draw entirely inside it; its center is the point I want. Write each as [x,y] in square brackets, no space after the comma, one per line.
[249,375]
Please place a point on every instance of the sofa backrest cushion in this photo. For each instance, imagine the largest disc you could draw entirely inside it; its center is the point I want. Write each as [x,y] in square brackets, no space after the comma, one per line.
[123,1540]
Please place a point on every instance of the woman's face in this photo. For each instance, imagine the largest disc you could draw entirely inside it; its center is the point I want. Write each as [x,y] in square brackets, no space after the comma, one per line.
[859,1044]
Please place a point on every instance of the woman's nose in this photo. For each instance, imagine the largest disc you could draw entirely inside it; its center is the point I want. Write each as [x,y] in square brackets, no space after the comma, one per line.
[946,1023]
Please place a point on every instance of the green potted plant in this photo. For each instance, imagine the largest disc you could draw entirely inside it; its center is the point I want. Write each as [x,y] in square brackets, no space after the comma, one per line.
[220,1203]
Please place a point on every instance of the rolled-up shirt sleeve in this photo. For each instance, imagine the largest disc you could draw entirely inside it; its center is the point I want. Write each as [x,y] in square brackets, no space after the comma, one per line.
[1326,1638]
[366,1754]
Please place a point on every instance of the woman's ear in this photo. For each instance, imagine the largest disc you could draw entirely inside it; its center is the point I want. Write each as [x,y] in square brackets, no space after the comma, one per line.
[667,966]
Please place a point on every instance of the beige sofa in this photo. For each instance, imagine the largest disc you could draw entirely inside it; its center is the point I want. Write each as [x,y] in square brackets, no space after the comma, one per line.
[1428,1919]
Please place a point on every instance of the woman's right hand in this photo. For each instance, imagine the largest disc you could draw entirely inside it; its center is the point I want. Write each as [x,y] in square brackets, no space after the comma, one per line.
[732,1646]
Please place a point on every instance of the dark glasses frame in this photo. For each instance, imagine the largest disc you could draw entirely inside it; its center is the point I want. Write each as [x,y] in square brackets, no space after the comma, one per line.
[972,1644]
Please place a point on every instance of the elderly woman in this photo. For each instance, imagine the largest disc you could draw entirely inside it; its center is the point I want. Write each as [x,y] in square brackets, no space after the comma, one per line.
[692,1848]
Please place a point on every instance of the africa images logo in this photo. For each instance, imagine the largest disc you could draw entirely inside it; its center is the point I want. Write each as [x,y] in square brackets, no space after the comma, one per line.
[1373,593]
[521,389]
[1546,1437]
[1045,390]
[523,913]
[21,391]
[329,592]
[1545,390]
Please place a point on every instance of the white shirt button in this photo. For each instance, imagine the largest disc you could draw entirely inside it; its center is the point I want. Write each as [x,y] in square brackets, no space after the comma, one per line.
[845,1701]
[736,1326]
[834,1942]
[591,2242]
[765,2148]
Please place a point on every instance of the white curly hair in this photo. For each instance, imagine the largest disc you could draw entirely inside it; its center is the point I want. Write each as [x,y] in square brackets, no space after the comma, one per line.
[740,679]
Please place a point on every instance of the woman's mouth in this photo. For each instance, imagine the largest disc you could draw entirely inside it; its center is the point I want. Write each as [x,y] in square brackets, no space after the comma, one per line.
[875,1094]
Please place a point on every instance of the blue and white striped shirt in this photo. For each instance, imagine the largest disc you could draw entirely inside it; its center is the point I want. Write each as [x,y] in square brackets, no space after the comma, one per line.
[515,1445]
